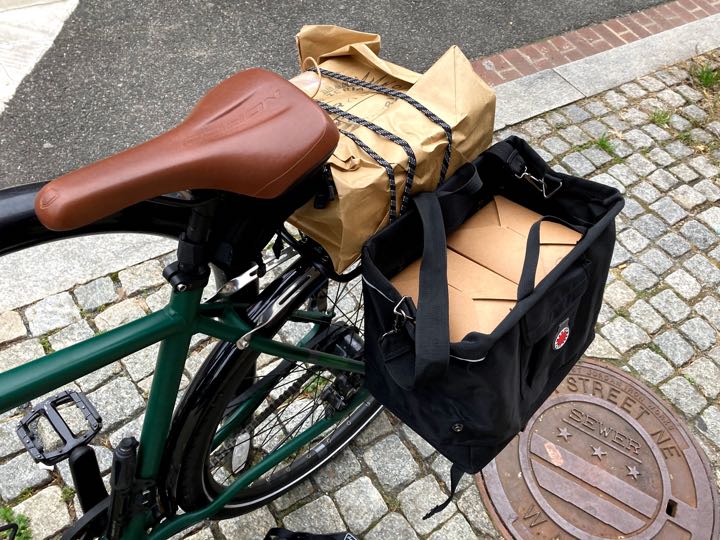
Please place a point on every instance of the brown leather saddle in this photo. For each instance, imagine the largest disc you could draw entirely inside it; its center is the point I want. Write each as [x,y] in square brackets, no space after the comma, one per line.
[254,134]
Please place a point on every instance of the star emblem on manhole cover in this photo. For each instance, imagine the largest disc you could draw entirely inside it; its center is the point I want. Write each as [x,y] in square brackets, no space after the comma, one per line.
[598,452]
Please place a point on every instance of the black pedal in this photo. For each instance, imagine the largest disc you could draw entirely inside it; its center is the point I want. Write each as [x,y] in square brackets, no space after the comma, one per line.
[27,429]
[10,528]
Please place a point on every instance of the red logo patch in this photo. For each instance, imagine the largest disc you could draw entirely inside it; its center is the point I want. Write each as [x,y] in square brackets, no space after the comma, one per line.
[561,337]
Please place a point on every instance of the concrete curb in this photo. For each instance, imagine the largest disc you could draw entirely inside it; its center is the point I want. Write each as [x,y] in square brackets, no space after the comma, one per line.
[549,89]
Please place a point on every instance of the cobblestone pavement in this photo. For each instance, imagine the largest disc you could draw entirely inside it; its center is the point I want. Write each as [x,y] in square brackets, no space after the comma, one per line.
[656,139]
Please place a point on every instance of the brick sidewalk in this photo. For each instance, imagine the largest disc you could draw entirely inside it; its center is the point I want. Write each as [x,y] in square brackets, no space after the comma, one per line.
[656,139]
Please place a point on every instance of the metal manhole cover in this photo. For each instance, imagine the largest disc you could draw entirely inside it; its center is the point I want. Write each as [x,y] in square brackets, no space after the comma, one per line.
[602,458]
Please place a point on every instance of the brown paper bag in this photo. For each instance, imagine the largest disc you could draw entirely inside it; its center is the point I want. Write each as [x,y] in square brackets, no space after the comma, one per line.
[450,89]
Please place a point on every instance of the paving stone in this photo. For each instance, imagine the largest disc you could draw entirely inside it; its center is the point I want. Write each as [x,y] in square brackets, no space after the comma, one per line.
[638,139]
[645,316]
[711,217]
[715,253]
[640,164]
[652,104]
[600,348]
[651,366]
[19,353]
[143,276]
[11,326]
[560,169]
[674,347]
[46,511]
[555,145]
[703,166]
[96,293]
[688,93]
[159,299]
[596,108]
[635,117]
[674,244]
[709,423]
[457,528]
[441,466]
[671,98]
[377,428]
[574,135]
[20,473]
[708,189]
[705,271]
[687,197]
[298,493]
[253,526]
[546,156]
[319,517]
[660,157]
[606,313]
[116,401]
[682,394]
[615,99]
[709,307]
[142,363]
[695,113]
[423,447]
[578,164]
[683,172]
[537,127]
[9,441]
[597,156]
[360,504]
[119,314]
[651,83]
[104,457]
[633,240]
[52,313]
[656,261]
[418,499]
[669,210]
[650,226]
[471,506]
[391,462]
[335,473]
[660,135]
[662,179]
[679,123]
[705,374]
[700,136]
[70,335]
[618,294]
[393,526]
[698,234]
[608,180]
[623,173]
[556,119]
[684,284]
[639,277]
[619,256]
[633,90]
[670,305]
[623,334]
[645,192]
[575,113]
[615,123]
[632,208]
[678,150]
[699,332]
[714,128]
[594,128]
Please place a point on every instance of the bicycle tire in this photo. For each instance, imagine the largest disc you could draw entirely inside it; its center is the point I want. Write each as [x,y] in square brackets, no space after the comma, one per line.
[195,486]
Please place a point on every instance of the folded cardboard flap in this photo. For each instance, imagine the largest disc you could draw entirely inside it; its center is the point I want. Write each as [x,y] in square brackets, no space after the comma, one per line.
[485,257]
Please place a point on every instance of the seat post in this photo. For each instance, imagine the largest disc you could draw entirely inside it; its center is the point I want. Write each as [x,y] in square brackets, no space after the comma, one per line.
[191,270]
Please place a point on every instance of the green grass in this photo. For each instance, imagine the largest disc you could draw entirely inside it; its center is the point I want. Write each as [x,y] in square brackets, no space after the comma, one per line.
[8,516]
[67,494]
[685,136]
[706,76]
[603,143]
[660,117]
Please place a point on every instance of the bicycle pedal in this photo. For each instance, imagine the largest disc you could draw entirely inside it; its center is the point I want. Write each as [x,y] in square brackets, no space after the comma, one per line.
[11,528]
[30,427]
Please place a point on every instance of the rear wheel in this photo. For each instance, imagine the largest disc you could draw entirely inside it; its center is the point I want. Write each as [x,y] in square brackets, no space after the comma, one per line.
[268,410]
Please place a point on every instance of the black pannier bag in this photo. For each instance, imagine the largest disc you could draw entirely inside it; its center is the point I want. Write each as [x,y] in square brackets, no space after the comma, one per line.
[469,398]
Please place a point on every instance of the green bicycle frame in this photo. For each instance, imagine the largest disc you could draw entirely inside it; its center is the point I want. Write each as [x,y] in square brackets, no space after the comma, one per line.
[174,327]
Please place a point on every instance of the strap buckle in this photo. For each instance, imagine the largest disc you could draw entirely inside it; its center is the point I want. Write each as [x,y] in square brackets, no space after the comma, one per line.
[539,183]
[400,319]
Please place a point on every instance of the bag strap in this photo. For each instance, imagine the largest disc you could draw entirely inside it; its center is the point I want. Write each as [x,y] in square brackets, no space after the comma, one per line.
[432,333]
[532,254]
[284,534]
[546,181]
[406,98]
[456,474]
[412,160]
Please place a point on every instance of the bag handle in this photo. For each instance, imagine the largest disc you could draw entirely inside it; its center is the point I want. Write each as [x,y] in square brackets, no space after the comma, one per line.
[544,181]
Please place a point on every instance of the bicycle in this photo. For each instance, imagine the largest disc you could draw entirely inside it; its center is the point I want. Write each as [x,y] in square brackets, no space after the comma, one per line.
[222,183]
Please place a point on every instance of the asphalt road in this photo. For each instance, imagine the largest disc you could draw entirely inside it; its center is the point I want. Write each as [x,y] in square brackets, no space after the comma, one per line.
[121,72]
